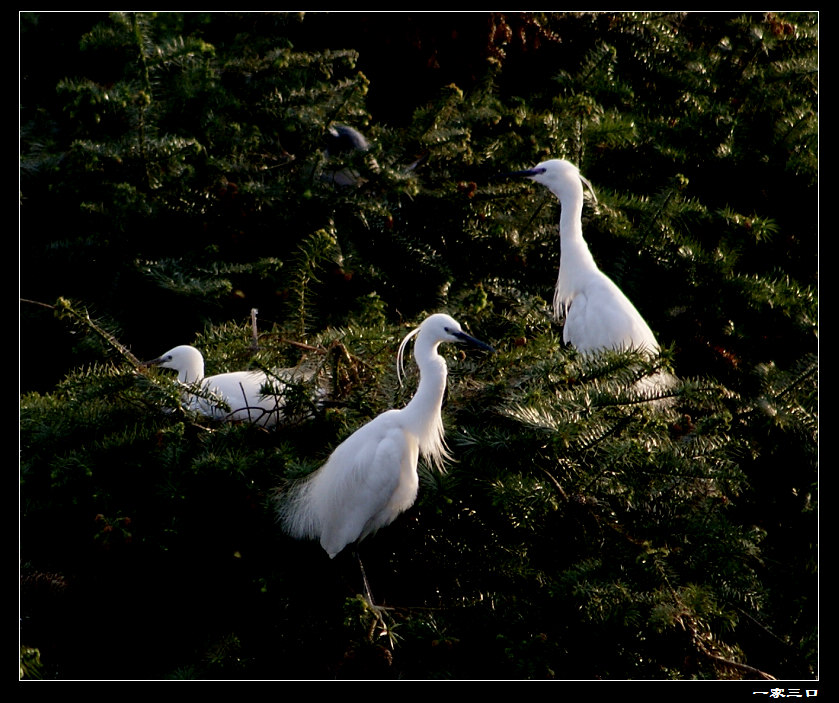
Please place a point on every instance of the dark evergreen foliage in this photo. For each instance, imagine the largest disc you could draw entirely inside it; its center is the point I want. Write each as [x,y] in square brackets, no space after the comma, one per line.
[174,178]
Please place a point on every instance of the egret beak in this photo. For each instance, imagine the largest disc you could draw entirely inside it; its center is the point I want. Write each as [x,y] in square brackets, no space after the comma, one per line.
[527,173]
[154,362]
[468,339]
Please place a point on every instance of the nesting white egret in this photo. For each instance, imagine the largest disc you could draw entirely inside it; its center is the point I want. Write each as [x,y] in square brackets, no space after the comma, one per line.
[243,396]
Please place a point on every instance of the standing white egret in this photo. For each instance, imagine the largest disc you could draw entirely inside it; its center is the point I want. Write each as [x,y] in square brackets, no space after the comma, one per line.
[371,477]
[243,396]
[597,313]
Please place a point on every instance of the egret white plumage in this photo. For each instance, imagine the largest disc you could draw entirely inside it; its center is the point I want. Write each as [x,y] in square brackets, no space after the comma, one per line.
[371,477]
[244,396]
[597,313]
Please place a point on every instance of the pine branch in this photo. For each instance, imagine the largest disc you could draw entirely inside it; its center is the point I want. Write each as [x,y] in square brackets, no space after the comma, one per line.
[65,309]
[312,253]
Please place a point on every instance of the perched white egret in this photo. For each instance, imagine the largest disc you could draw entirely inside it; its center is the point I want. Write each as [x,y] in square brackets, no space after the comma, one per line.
[597,314]
[341,141]
[243,396]
[371,477]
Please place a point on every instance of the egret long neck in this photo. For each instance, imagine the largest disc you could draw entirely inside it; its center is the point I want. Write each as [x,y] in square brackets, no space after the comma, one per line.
[574,254]
[423,415]
[423,410]
[575,259]
[192,372]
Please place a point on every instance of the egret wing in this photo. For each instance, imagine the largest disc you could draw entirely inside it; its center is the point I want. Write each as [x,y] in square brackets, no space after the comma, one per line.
[602,317]
[357,489]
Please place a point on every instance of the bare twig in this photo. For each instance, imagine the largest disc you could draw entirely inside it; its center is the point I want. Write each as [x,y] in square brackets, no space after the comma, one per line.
[254,330]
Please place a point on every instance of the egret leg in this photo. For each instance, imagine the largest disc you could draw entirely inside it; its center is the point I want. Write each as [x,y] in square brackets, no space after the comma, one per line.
[368,594]
[377,610]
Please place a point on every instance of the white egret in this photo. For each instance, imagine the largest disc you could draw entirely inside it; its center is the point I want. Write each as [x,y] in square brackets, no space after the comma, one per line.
[371,477]
[243,396]
[343,141]
[597,314]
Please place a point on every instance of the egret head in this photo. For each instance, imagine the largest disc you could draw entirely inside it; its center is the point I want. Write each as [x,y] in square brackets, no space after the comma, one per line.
[443,328]
[561,177]
[434,330]
[186,360]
